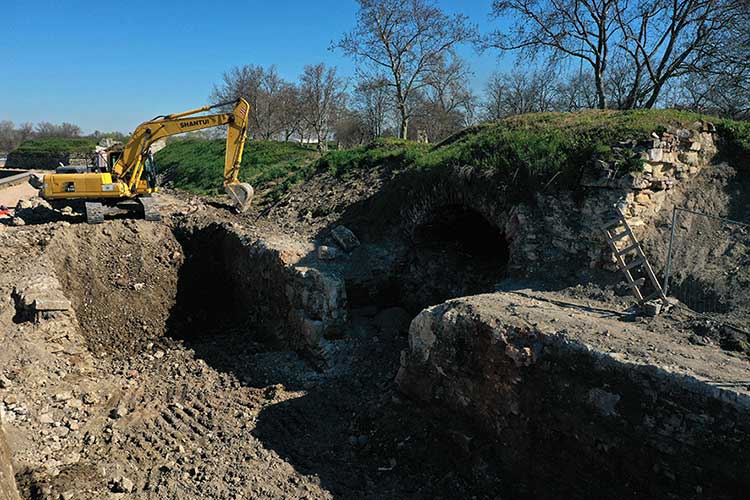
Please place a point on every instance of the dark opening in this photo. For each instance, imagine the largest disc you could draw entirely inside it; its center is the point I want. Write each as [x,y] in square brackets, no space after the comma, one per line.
[206,302]
[455,253]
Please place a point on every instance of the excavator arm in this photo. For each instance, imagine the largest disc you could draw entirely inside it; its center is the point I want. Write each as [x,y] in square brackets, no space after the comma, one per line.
[130,166]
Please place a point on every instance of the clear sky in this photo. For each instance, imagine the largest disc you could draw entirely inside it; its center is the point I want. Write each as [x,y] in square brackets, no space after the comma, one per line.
[111,65]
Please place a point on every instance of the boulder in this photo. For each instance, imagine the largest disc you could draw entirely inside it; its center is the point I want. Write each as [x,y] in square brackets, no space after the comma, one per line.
[345,238]
[35,210]
[328,252]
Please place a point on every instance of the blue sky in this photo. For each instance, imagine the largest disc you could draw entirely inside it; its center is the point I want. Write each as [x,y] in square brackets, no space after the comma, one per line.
[111,65]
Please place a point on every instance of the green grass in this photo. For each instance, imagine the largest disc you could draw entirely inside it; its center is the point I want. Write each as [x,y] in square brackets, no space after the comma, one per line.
[197,165]
[58,145]
[524,154]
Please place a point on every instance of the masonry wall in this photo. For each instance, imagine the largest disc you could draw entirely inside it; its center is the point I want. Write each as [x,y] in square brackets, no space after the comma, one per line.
[565,225]
[570,422]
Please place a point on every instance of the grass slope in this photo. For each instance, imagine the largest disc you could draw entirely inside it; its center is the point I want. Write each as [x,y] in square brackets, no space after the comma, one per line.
[525,153]
[197,165]
[530,152]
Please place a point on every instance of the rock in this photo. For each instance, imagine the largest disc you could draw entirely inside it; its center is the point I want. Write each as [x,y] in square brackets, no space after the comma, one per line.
[643,198]
[655,154]
[63,396]
[90,398]
[328,252]
[159,354]
[122,484]
[5,383]
[345,238]
[689,158]
[46,418]
[119,412]
[52,303]
[34,210]
[652,308]
[604,402]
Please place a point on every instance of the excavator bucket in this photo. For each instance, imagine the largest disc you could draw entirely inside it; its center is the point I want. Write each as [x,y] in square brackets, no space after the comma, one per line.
[241,194]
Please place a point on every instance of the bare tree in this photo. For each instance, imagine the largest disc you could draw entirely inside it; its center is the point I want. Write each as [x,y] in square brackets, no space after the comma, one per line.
[653,41]
[446,104]
[266,93]
[7,136]
[65,130]
[520,92]
[290,112]
[577,93]
[24,132]
[351,129]
[403,41]
[722,86]
[322,94]
[578,29]
[373,101]
[667,39]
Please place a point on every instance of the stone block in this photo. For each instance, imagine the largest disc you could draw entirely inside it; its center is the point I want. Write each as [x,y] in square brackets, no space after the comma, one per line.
[655,154]
[328,252]
[345,238]
[51,304]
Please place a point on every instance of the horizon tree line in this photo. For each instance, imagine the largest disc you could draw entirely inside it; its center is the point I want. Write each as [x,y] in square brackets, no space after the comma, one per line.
[574,54]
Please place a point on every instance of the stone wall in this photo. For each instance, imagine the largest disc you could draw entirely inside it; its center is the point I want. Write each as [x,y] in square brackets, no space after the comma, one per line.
[565,225]
[291,306]
[567,420]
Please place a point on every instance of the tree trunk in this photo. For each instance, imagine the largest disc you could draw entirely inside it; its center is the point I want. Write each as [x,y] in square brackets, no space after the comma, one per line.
[600,93]
[404,127]
[654,95]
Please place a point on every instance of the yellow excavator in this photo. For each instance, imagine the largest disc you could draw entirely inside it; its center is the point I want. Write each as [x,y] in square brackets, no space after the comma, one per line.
[120,183]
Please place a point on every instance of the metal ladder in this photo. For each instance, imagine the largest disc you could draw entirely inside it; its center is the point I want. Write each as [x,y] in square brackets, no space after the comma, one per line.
[618,230]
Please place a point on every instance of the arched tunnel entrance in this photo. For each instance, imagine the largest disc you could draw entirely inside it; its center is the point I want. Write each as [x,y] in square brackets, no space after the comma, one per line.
[455,252]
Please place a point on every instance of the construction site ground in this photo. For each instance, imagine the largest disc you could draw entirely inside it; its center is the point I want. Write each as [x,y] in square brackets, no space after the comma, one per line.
[119,400]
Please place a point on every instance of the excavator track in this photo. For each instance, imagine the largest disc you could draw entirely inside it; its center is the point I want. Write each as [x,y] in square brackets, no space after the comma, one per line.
[94,212]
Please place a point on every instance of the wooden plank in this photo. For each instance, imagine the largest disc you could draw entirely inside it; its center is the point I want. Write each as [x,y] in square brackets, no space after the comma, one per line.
[629,249]
[612,223]
[619,236]
[635,263]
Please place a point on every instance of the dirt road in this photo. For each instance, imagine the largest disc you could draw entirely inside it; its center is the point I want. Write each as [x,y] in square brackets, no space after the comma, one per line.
[9,196]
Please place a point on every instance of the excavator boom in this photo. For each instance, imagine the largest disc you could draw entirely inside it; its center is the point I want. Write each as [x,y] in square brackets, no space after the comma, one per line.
[125,177]
[130,166]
